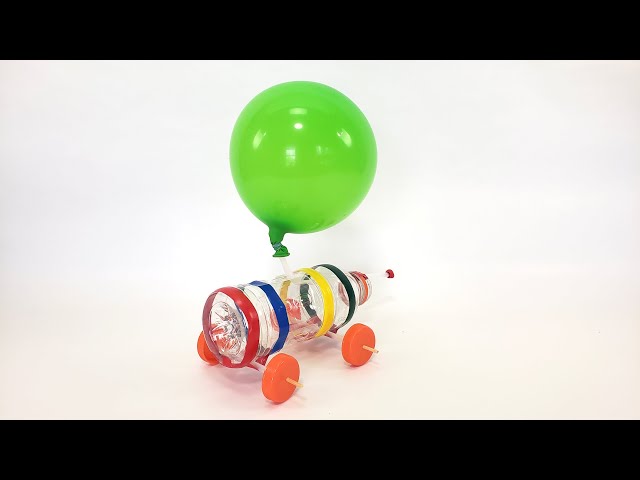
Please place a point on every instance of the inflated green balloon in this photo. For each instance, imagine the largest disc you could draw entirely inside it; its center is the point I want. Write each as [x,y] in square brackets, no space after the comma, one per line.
[303,157]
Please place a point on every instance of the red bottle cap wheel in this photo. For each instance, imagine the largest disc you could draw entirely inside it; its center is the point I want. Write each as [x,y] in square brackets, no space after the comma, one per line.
[274,380]
[357,336]
[204,352]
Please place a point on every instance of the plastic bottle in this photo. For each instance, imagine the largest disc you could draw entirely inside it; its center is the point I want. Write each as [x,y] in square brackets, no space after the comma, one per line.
[249,322]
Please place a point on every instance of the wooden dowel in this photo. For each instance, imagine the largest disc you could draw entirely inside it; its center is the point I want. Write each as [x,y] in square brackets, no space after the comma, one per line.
[294,383]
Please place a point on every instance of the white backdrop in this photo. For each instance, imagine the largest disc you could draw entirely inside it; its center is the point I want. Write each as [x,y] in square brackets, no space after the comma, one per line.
[507,200]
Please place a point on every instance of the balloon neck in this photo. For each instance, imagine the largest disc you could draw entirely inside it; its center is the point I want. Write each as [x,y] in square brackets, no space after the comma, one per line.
[276,237]
[281,250]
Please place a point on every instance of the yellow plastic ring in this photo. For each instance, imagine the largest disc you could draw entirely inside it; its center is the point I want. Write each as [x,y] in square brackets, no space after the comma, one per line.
[327,299]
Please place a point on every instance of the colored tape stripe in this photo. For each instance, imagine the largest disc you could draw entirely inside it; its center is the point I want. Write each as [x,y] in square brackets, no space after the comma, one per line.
[305,300]
[253,326]
[304,296]
[284,290]
[327,299]
[347,286]
[280,311]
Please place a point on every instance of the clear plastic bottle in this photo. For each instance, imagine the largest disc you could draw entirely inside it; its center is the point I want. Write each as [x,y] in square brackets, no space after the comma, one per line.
[249,322]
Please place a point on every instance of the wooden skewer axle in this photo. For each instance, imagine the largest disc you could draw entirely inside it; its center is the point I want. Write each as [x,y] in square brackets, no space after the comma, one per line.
[294,383]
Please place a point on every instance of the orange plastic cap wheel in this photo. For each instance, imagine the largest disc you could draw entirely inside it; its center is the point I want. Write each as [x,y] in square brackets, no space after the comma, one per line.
[204,352]
[356,337]
[274,380]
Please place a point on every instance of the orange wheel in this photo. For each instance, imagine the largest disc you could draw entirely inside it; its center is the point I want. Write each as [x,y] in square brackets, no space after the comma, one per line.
[204,352]
[357,336]
[274,379]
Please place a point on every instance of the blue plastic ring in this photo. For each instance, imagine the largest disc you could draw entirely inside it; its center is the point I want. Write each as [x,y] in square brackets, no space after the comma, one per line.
[281,313]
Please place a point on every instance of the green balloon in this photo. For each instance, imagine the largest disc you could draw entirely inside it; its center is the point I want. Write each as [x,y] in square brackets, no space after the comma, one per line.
[303,157]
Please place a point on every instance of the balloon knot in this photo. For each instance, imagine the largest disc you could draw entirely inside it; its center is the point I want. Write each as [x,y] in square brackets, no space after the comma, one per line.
[281,250]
